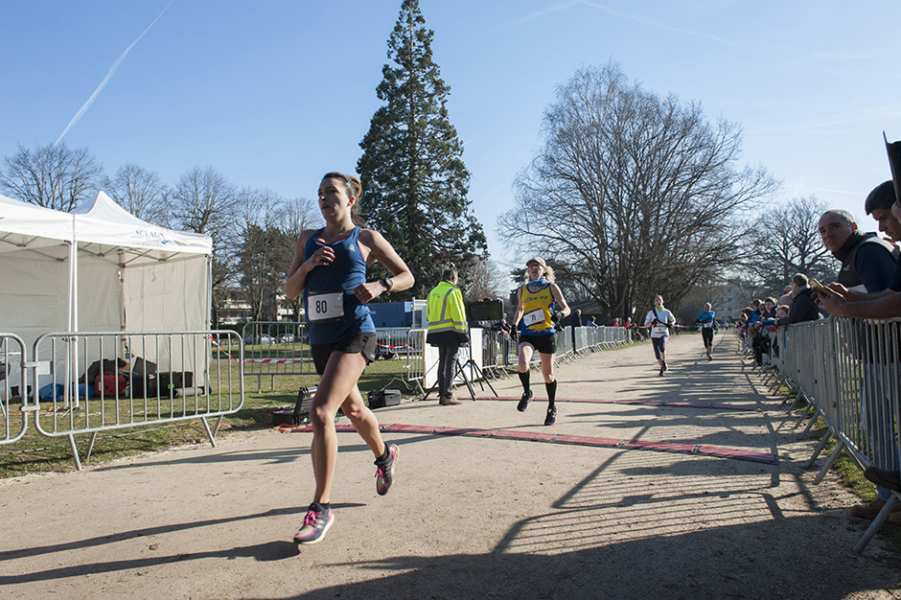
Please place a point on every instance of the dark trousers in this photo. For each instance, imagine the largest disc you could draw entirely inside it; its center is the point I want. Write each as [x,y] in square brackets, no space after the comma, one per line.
[707,336]
[447,360]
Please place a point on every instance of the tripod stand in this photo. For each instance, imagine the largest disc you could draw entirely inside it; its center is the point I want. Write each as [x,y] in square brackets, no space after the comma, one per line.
[459,371]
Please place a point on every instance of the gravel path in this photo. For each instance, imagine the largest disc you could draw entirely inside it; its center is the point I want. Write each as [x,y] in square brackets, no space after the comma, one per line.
[473,516]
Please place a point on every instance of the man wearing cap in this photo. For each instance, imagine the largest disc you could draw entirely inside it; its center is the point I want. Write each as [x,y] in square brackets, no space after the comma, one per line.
[540,307]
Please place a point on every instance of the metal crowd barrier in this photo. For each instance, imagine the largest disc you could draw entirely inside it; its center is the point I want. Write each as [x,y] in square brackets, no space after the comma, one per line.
[13,384]
[274,348]
[498,353]
[277,348]
[849,371]
[153,378]
[414,369]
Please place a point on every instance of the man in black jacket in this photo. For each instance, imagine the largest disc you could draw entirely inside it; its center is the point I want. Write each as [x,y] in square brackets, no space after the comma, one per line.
[867,260]
[802,308]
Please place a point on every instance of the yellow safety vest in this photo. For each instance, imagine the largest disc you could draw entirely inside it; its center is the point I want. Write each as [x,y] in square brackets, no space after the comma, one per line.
[445,309]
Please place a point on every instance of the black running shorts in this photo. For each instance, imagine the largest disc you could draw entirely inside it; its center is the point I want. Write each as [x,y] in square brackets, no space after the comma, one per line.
[545,344]
[359,343]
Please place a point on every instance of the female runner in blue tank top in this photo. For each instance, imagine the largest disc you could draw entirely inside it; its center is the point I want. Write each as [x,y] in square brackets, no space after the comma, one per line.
[329,268]
[540,306]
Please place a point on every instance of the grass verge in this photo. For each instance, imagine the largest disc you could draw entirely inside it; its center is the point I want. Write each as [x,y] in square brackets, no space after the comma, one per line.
[36,453]
[852,477]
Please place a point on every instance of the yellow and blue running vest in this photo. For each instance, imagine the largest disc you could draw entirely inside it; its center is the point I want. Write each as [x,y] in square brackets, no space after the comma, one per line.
[538,308]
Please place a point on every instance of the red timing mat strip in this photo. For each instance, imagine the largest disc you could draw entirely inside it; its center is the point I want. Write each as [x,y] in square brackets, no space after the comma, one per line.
[577,440]
[710,405]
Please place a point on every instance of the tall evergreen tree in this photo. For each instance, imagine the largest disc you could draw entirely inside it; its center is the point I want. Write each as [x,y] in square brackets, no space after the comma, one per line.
[414,180]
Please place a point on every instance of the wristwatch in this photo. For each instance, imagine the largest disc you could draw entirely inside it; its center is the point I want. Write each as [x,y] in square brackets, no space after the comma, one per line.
[386,281]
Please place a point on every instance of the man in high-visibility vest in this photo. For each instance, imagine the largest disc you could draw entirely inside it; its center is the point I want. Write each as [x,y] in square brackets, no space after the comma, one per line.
[447,331]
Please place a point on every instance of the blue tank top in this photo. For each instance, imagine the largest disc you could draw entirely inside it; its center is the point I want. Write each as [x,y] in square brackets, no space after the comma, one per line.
[337,280]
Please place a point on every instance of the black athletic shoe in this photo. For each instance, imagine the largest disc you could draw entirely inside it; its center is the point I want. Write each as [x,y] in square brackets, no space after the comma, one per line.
[661,371]
[551,417]
[524,402]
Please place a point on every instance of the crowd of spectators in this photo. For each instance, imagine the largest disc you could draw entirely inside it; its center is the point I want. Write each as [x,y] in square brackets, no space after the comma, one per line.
[868,285]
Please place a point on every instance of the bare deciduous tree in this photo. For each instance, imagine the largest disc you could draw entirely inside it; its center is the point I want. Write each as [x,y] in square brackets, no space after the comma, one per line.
[204,201]
[783,241]
[54,177]
[263,253]
[635,194]
[140,192]
[484,280]
[297,215]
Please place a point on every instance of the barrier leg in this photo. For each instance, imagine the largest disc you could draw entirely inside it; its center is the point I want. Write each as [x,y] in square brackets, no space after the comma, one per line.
[831,461]
[75,456]
[209,433]
[87,455]
[800,396]
[777,383]
[876,524]
[218,423]
[791,391]
[818,449]
[804,414]
[808,427]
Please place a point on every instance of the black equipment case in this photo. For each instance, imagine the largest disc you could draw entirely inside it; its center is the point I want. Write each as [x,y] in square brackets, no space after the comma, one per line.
[383,398]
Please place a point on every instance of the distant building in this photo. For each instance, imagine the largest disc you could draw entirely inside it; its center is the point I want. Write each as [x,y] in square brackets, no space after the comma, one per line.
[235,308]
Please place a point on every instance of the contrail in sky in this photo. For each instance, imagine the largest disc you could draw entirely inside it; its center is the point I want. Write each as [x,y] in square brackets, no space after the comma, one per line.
[639,18]
[109,75]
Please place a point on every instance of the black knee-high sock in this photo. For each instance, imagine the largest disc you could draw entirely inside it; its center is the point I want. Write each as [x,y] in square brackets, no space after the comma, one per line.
[551,393]
[524,378]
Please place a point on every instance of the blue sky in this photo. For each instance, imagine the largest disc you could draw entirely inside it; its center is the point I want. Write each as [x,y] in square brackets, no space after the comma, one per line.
[274,93]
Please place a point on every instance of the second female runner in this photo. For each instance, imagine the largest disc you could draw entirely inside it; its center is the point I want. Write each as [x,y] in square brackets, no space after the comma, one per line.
[539,310]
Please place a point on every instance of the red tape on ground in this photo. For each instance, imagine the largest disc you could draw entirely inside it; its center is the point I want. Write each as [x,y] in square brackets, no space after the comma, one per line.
[708,405]
[576,440]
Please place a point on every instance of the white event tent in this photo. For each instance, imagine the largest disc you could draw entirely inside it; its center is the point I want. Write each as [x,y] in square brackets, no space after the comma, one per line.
[98,268]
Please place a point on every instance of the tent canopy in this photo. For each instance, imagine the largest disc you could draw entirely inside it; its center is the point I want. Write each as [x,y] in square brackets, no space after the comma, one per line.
[98,268]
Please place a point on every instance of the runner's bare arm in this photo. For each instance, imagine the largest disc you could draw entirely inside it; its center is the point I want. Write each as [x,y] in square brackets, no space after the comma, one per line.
[558,296]
[297,274]
[380,250]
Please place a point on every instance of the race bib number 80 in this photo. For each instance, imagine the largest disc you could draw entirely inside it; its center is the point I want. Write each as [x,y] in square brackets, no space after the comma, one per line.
[325,306]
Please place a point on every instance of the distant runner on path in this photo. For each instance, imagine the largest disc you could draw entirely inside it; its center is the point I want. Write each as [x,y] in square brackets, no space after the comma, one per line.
[660,320]
[707,319]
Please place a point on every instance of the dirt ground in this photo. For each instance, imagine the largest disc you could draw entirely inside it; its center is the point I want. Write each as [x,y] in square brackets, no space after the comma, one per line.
[471,516]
